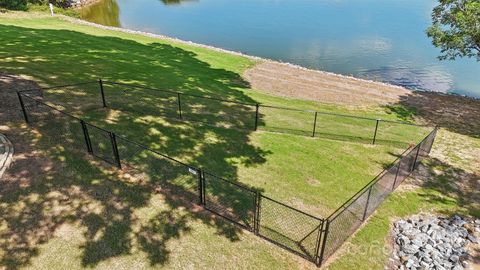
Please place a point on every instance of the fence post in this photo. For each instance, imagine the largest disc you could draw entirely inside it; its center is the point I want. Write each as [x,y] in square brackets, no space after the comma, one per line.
[179,106]
[25,115]
[257,106]
[416,156]
[434,136]
[368,201]
[115,149]
[324,242]
[100,82]
[319,239]
[376,129]
[87,137]
[396,174]
[201,187]
[314,124]
[256,225]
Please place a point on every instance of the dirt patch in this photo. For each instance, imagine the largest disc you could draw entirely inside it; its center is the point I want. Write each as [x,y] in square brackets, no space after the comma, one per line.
[27,164]
[295,82]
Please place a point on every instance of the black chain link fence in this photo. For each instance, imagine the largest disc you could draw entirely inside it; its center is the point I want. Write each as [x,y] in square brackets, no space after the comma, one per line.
[311,237]
[345,220]
[222,112]
[230,200]
[289,227]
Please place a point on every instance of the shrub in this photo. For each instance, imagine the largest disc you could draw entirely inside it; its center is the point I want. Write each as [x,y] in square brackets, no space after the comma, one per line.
[22,4]
[14,4]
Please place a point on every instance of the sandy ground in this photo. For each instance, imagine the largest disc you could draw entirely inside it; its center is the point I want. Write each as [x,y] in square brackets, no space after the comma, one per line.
[295,82]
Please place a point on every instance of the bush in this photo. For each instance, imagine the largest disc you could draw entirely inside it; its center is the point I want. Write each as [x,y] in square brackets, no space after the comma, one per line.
[22,4]
[58,3]
[14,4]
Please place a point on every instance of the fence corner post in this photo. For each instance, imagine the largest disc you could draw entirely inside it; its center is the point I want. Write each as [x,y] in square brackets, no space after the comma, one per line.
[323,243]
[24,111]
[113,139]
[104,103]
[257,107]
[376,129]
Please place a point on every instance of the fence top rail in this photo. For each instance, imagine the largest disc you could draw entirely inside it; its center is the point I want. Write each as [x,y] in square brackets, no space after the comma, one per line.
[181,93]
[291,208]
[344,206]
[56,86]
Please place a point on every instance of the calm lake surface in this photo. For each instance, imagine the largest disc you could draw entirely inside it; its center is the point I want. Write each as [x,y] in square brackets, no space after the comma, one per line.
[373,39]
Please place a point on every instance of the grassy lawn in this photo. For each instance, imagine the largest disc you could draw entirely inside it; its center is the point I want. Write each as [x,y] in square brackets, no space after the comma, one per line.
[103,219]
[313,174]
[78,215]
[445,184]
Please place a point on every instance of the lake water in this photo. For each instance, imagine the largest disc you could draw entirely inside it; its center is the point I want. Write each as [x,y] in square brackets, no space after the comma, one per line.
[373,39]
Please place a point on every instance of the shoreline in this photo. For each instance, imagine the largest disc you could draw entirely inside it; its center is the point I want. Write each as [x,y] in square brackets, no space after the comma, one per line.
[257,58]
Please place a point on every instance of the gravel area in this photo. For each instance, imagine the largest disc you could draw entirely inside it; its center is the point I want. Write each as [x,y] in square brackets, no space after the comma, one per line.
[434,242]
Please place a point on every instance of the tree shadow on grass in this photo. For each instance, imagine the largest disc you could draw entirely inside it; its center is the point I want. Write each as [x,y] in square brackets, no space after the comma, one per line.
[102,200]
[455,113]
[455,186]
[57,57]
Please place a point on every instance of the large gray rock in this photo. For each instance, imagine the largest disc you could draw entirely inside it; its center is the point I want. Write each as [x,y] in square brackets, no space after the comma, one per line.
[433,242]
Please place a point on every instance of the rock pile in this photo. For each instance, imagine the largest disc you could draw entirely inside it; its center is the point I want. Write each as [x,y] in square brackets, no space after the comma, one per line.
[433,242]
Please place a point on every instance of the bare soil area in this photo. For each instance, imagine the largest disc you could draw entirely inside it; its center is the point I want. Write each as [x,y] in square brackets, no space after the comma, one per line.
[296,82]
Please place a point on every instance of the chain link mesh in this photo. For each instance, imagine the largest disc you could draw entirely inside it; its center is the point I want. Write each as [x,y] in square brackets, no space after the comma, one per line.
[345,222]
[345,128]
[101,143]
[287,121]
[289,227]
[400,134]
[218,113]
[381,188]
[230,200]
[347,219]
[140,101]
[174,177]
[59,128]
[286,226]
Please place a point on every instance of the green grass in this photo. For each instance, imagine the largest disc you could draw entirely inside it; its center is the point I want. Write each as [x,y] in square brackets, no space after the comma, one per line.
[318,174]
[96,218]
[313,174]
[447,191]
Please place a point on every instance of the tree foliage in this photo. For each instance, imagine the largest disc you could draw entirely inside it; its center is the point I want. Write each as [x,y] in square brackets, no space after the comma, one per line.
[14,4]
[455,28]
[22,4]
